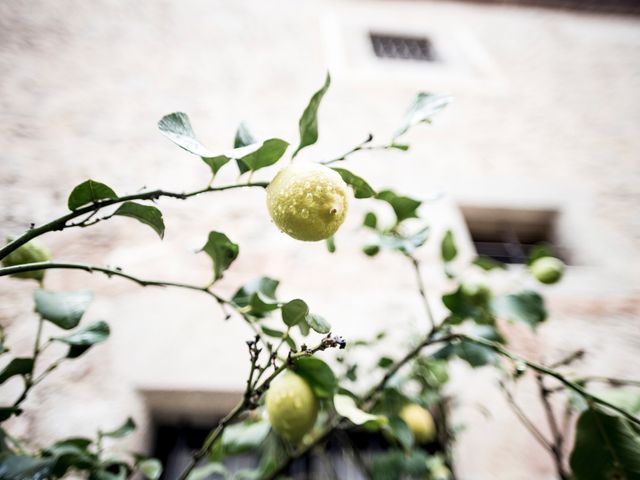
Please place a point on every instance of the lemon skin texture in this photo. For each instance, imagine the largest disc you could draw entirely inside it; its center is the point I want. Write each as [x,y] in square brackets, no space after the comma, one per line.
[420,422]
[292,407]
[27,253]
[547,270]
[308,201]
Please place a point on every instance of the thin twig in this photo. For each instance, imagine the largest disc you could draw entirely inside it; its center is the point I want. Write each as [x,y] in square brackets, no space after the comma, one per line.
[60,223]
[423,294]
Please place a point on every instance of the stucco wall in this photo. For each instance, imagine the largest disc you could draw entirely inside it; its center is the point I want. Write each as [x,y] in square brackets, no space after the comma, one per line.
[546,114]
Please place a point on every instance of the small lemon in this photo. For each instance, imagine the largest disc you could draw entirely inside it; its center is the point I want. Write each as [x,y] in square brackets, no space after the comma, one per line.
[28,253]
[420,422]
[292,406]
[547,270]
[308,201]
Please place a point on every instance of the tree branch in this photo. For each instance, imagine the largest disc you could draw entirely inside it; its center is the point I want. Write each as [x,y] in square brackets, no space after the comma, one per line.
[558,440]
[60,223]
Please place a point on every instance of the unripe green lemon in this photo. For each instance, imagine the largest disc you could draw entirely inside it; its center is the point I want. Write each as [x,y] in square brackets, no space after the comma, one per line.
[28,253]
[291,406]
[547,270]
[420,422]
[308,201]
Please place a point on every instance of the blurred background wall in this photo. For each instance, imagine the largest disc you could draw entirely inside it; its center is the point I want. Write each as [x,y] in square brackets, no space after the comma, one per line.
[543,135]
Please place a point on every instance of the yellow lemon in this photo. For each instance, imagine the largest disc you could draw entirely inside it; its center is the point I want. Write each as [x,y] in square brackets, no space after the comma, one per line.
[28,253]
[308,201]
[420,422]
[291,406]
[547,270]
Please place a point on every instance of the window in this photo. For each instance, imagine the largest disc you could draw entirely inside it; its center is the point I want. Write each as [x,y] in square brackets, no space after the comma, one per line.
[402,47]
[508,235]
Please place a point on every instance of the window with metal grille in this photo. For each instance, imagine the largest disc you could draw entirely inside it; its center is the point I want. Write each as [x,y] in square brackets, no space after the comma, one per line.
[402,47]
[508,235]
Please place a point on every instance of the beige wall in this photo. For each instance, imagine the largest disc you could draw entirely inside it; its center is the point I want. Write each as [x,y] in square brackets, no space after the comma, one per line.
[546,115]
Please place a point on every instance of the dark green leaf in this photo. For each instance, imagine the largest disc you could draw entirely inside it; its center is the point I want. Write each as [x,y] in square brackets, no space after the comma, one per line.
[6,412]
[401,432]
[23,467]
[269,153]
[146,214]
[151,468]
[400,146]
[318,323]
[385,362]
[17,366]
[606,447]
[370,220]
[259,295]
[527,306]
[488,263]
[318,374]
[403,207]
[294,311]
[72,453]
[64,309]
[466,304]
[244,437]
[361,189]
[271,332]
[303,326]
[222,251]
[371,250]
[448,248]
[399,465]
[308,124]
[243,136]
[122,431]
[89,192]
[474,354]
[216,163]
[423,108]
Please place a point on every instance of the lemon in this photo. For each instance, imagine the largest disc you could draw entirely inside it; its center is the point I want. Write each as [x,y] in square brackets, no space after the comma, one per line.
[420,422]
[28,253]
[308,201]
[291,406]
[547,270]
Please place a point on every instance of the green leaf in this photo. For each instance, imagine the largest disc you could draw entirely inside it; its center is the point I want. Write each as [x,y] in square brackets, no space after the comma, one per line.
[346,407]
[423,108]
[89,192]
[243,136]
[371,250]
[146,214]
[207,471]
[177,128]
[488,263]
[23,467]
[361,189]
[385,362]
[267,154]
[222,251]
[400,146]
[448,247]
[81,340]
[294,312]
[318,323]
[606,447]
[401,432]
[465,304]
[257,296]
[527,307]
[17,366]
[318,374]
[272,332]
[244,437]
[308,124]
[406,244]
[64,309]
[370,220]
[122,431]
[403,207]
[151,468]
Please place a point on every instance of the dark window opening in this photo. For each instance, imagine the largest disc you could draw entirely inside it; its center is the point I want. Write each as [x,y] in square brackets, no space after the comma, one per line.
[402,47]
[509,235]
